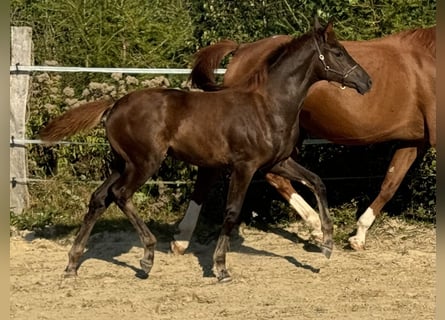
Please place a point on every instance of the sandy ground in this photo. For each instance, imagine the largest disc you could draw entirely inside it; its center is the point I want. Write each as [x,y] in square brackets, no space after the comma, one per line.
[276,275]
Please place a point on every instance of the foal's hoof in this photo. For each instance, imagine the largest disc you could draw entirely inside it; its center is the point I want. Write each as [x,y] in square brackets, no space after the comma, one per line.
[146,266]
[70,273]
[223,276]
[356,244]
[326,251]
[141,275]
[176,248]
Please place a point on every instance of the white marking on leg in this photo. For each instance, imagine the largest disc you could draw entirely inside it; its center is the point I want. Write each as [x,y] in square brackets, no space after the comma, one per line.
[306,212]
[364,222]
[187,225]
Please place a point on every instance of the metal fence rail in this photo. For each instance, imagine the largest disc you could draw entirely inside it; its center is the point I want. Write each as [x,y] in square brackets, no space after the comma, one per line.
[18,68]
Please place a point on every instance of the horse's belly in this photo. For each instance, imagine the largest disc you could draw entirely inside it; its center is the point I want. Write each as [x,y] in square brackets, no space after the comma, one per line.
[201,150]
[345,133]
[362,131]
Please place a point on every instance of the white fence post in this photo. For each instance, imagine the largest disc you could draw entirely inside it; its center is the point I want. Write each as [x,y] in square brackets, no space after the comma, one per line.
[21,54]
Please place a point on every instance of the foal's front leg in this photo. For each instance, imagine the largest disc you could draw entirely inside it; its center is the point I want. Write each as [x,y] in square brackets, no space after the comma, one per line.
[290,169]
[239,182]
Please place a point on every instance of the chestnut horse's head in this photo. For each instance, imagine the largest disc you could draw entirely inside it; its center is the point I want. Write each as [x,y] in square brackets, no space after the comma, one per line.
[335,63]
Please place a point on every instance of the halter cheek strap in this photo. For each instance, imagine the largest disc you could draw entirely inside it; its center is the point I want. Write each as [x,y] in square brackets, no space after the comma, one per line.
[327,68]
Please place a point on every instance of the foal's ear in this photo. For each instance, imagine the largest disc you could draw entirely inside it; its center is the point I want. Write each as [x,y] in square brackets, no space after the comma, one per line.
[328,32]
[317,24]
[320,27]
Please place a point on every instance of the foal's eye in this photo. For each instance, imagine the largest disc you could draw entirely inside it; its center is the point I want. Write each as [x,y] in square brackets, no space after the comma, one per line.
[339,54]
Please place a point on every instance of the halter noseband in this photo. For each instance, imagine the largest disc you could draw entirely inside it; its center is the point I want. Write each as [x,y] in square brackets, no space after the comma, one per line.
[327,68]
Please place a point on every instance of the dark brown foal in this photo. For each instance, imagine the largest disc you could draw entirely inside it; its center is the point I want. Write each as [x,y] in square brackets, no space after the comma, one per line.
[250,127]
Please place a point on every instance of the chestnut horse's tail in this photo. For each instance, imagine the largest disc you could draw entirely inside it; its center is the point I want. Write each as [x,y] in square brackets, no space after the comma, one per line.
[81,118]
[206,61]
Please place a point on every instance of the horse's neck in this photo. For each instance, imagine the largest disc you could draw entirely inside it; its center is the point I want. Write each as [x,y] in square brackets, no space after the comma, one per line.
[290,79]
[287,86]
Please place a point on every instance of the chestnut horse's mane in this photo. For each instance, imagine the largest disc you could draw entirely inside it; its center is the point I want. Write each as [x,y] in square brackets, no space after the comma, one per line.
[209,58]
[425,37]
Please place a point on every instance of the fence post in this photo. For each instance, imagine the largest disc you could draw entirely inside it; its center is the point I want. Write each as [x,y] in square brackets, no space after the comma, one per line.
[21,53]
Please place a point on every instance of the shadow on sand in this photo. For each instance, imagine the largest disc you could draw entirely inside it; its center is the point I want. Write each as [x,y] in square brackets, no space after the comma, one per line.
[204,253]
[103,246]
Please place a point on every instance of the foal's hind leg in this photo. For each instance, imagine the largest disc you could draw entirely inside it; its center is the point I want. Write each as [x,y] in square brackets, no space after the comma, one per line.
[292,170]
[133,177]
[287,191]
[100,200]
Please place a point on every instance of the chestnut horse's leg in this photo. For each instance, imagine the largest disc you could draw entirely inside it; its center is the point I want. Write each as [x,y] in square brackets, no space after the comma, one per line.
[100,200]
[401,162]
[287,191]
[205,180]
[290,169]
[239,182]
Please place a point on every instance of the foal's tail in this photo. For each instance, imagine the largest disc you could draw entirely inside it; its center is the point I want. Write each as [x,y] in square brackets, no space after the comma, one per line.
[84,117]
[206,61]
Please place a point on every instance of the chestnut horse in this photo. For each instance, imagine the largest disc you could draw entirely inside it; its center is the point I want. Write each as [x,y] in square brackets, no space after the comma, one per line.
[400,107]
[250,127]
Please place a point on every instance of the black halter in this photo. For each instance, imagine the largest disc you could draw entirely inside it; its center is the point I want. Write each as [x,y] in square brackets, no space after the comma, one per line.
[327,68]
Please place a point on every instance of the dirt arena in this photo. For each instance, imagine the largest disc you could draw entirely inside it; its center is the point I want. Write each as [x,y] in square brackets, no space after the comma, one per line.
[276,275]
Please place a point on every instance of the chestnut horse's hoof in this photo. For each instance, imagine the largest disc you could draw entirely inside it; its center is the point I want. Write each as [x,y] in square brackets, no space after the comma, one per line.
[176,248]
[356,243]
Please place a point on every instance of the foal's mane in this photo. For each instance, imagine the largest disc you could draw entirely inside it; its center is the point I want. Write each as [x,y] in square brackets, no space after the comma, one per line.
[261,70]
[425,37]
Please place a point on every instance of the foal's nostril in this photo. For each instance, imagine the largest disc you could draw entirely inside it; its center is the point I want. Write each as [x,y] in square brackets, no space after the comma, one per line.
[369,83]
